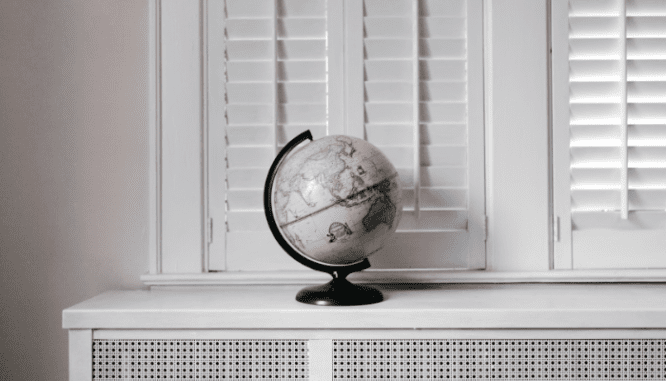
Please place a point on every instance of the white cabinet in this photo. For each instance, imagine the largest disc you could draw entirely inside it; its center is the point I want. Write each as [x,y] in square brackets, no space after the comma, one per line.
[536,331]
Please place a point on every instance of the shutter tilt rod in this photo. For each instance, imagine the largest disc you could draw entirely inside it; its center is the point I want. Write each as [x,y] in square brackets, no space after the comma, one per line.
[416,97]
[624,159]
[276,94]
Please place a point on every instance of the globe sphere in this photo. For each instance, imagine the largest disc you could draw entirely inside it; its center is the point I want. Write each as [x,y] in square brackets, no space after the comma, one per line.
[336,200]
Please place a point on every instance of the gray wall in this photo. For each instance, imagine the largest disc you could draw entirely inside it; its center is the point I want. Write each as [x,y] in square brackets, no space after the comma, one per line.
[73,168]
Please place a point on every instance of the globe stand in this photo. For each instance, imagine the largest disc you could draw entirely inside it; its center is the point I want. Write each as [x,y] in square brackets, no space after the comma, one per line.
[339,291]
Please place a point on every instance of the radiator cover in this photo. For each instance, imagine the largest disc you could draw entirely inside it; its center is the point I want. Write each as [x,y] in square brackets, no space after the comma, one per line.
[403,359]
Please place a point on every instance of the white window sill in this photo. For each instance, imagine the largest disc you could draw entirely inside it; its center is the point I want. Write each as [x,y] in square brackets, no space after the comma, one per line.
[460,306]
[406,276]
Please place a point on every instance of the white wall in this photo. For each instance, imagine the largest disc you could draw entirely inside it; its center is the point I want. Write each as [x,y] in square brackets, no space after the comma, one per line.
[73,169]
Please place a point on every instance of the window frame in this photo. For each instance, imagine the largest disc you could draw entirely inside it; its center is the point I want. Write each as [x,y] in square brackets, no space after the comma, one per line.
[519,212]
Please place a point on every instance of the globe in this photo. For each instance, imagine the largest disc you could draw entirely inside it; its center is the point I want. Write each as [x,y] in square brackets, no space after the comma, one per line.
[332,202]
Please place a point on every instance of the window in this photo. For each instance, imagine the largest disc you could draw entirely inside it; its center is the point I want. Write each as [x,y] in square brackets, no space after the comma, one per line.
[401,71]
[352,63]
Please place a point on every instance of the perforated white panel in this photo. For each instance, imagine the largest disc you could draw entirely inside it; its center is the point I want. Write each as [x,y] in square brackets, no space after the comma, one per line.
[200,359]
[537,359]
[498,359]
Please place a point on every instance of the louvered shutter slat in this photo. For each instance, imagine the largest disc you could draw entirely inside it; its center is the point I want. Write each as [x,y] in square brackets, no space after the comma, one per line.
[250,156]
[594,70]
[590,200]
[303,27]
[434,176]
[652,26]
[302,71]
[592,8]
[431,133]
[647,92]
[443,71]
[249,135]
[248,9]
[608,178]
[306,49]
[435,91]
[242,221]
[443,26]
[594,136]
[244,199]
[249,71]
[440,198]
[647,135]
[246,178]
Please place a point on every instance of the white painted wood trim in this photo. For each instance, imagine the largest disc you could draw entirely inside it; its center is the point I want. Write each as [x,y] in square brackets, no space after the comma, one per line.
[181,149]
[369,334]
[216,129]
[624,144]
[517,135]
[563,259]
[276,98]
[476,257]
[80,355]
[549,69]
[205,134]
[154,137]
[320,355]
[410,276]
[459,306]
[416,107]
[488,74]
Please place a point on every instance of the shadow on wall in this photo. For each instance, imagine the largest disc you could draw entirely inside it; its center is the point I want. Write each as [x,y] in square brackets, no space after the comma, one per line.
[73,169]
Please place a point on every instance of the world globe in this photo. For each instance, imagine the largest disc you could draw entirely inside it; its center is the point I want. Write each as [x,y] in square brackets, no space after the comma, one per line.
[332,202]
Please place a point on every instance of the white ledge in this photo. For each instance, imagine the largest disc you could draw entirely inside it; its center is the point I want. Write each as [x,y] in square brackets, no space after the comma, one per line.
[407,276]
[462,306]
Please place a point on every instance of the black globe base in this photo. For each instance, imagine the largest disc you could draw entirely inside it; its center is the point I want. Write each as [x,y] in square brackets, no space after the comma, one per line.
[339,292]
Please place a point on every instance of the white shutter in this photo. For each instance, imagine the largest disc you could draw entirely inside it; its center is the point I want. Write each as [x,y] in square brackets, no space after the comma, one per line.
[616,129]
[284,75]
[276,88]
[418,88]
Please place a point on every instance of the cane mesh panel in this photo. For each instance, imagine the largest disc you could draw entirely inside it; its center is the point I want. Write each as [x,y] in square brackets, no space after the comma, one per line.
[200,359]
[498,359]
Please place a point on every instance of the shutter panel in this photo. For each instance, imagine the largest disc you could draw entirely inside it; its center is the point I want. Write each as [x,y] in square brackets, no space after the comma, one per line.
[299,66]
[276,50]
[617,133]
[416,111]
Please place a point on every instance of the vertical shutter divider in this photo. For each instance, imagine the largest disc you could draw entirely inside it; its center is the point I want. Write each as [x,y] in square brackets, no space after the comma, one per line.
[416,97]
[335,105]
[624,160]
[354,69]
[276,98]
